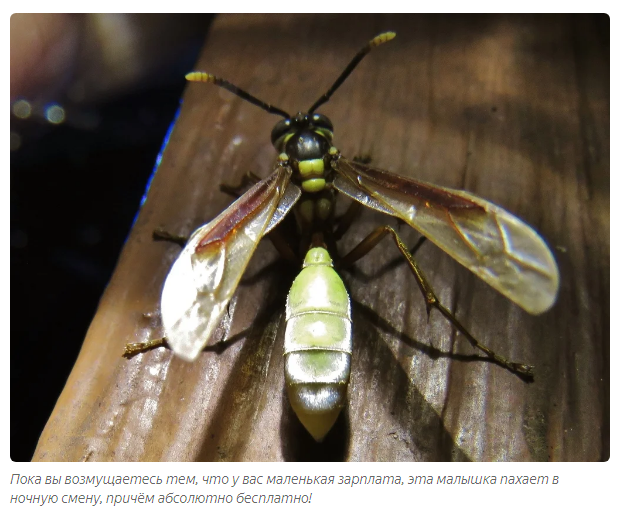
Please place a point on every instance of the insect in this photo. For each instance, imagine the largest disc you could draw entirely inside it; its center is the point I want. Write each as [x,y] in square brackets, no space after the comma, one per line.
[493,244]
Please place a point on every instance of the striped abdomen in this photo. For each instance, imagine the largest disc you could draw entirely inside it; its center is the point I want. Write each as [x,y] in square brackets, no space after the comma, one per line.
[317,345]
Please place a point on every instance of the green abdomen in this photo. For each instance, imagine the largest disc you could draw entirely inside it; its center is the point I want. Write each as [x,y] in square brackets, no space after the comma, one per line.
[317,344]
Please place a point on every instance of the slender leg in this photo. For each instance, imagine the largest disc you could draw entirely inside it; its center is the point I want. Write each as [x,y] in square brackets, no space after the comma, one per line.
[134,348]
[430,298]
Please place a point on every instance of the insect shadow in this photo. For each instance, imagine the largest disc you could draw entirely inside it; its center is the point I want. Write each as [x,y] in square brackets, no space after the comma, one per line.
[299,446]
[249,382]
[261,357]
[426,437]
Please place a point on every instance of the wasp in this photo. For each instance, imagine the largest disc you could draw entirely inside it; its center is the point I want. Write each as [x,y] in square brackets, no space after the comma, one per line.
[309,172]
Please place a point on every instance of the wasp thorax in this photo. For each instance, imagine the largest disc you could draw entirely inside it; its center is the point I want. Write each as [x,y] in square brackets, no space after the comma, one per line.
[306,145]
[306,140]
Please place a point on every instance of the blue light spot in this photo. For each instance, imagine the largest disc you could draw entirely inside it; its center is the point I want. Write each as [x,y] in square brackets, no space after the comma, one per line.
[54,113]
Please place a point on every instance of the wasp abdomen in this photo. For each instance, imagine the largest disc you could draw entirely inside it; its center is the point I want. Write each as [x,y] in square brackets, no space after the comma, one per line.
[317,345]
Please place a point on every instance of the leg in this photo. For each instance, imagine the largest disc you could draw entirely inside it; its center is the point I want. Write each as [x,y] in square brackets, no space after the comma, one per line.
[430,298]
[134,348]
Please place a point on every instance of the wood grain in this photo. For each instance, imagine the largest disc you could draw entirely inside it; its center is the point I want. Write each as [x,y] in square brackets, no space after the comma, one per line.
[512,108]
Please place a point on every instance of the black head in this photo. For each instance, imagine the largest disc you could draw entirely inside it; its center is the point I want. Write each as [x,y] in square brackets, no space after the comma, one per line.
[307,136]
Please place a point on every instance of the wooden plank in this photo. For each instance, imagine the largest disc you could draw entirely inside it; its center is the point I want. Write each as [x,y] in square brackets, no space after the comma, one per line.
[511,108]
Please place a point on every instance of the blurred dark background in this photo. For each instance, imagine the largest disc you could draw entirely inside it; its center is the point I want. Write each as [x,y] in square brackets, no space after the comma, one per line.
[92,98]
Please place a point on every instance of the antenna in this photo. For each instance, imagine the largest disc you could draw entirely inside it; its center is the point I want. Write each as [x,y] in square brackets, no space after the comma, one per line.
[223,83]
[375,42]
[217,81]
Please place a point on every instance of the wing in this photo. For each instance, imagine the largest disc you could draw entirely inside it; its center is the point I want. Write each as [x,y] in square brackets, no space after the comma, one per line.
[495,245]
[205,275]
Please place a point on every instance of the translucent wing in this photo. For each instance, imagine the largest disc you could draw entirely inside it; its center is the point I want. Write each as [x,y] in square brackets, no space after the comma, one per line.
[494,244]
[207,272]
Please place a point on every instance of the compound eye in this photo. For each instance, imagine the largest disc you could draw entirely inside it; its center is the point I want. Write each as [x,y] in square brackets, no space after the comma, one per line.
[280,131]
[322,122]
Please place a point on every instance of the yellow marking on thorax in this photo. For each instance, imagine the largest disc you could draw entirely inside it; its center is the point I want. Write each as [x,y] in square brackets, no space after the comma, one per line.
[314,185]
[311,166]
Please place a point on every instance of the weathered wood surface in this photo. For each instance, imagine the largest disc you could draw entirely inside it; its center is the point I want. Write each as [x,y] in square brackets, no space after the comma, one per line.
[512,108]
